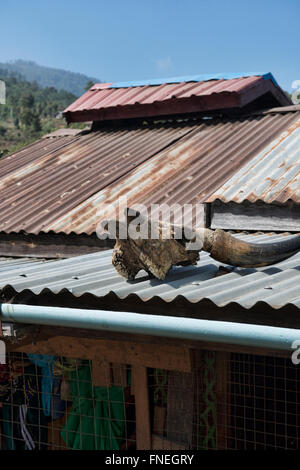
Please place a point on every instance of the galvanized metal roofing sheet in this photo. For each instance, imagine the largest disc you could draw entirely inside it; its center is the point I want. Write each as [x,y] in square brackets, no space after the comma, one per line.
[276,285]
[47,179]
[105,101]
[8,264]
[66,183]
[97,97]
[186,173]
[272,176]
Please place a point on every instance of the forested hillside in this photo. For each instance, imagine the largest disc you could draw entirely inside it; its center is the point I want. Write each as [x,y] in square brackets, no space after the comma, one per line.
[30,111]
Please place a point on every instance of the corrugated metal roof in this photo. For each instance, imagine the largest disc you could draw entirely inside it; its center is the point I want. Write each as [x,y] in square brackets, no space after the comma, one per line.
[65,183]
[65,132]
[106,101]
[272,176]
[47,179]
[9,265]
[186,173]
[276,285]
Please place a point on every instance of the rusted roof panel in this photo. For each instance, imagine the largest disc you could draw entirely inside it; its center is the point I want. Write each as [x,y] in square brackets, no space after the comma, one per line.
[186,173]
[272,176]
[105,101]
[44,181]
[67,184]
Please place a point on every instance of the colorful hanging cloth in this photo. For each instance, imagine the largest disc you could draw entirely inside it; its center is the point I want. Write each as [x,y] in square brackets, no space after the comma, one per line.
[97,418]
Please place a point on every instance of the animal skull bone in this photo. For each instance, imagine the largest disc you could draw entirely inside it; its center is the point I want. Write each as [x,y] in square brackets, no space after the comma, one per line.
[177,245]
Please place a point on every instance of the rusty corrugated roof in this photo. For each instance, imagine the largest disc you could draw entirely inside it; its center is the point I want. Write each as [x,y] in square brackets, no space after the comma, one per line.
[44,181]
[106,101]
[66,184]
[272,176]
[188,172]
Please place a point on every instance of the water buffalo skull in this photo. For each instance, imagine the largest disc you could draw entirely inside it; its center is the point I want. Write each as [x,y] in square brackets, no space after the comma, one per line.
[176,245]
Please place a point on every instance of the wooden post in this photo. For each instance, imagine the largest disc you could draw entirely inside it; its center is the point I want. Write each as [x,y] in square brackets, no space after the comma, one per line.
[119,374]
[142,410]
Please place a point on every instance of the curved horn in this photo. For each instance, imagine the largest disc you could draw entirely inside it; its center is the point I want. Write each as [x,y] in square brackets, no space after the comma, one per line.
[230,250]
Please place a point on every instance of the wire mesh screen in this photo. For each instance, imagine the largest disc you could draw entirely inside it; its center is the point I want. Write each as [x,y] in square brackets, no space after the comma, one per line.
[50,403]
[227,401]
[264,405]
[184,405]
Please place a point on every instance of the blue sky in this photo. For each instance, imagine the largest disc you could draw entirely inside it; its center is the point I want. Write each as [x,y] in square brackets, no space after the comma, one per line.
[139,39]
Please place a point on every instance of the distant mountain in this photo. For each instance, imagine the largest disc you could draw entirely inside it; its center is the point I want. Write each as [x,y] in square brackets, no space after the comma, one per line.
[50,77]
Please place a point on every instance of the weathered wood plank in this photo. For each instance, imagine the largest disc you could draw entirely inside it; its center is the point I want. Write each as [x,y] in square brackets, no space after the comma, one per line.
[101,373]
[158,356]
[119,374]
[142,408]
[51,245]
[255,216]
[155,342]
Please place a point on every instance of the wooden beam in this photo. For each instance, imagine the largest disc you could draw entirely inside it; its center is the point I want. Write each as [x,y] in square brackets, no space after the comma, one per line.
[45,332]
[101,373]
[51,245]
[142,409]
[255,216]
[156,356]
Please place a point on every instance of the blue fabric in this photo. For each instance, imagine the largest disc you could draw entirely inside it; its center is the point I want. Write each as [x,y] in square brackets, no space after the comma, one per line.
[46,364]
[194,78]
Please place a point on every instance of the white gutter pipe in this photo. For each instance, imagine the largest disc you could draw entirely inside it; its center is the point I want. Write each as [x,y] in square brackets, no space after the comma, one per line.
[158,325]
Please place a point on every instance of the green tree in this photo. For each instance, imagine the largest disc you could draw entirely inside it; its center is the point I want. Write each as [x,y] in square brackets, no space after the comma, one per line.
[27,101]
[35,125]
[26,118]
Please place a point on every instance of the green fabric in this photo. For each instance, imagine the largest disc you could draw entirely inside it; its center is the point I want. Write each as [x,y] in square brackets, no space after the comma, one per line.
[7,429]
[97,418]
